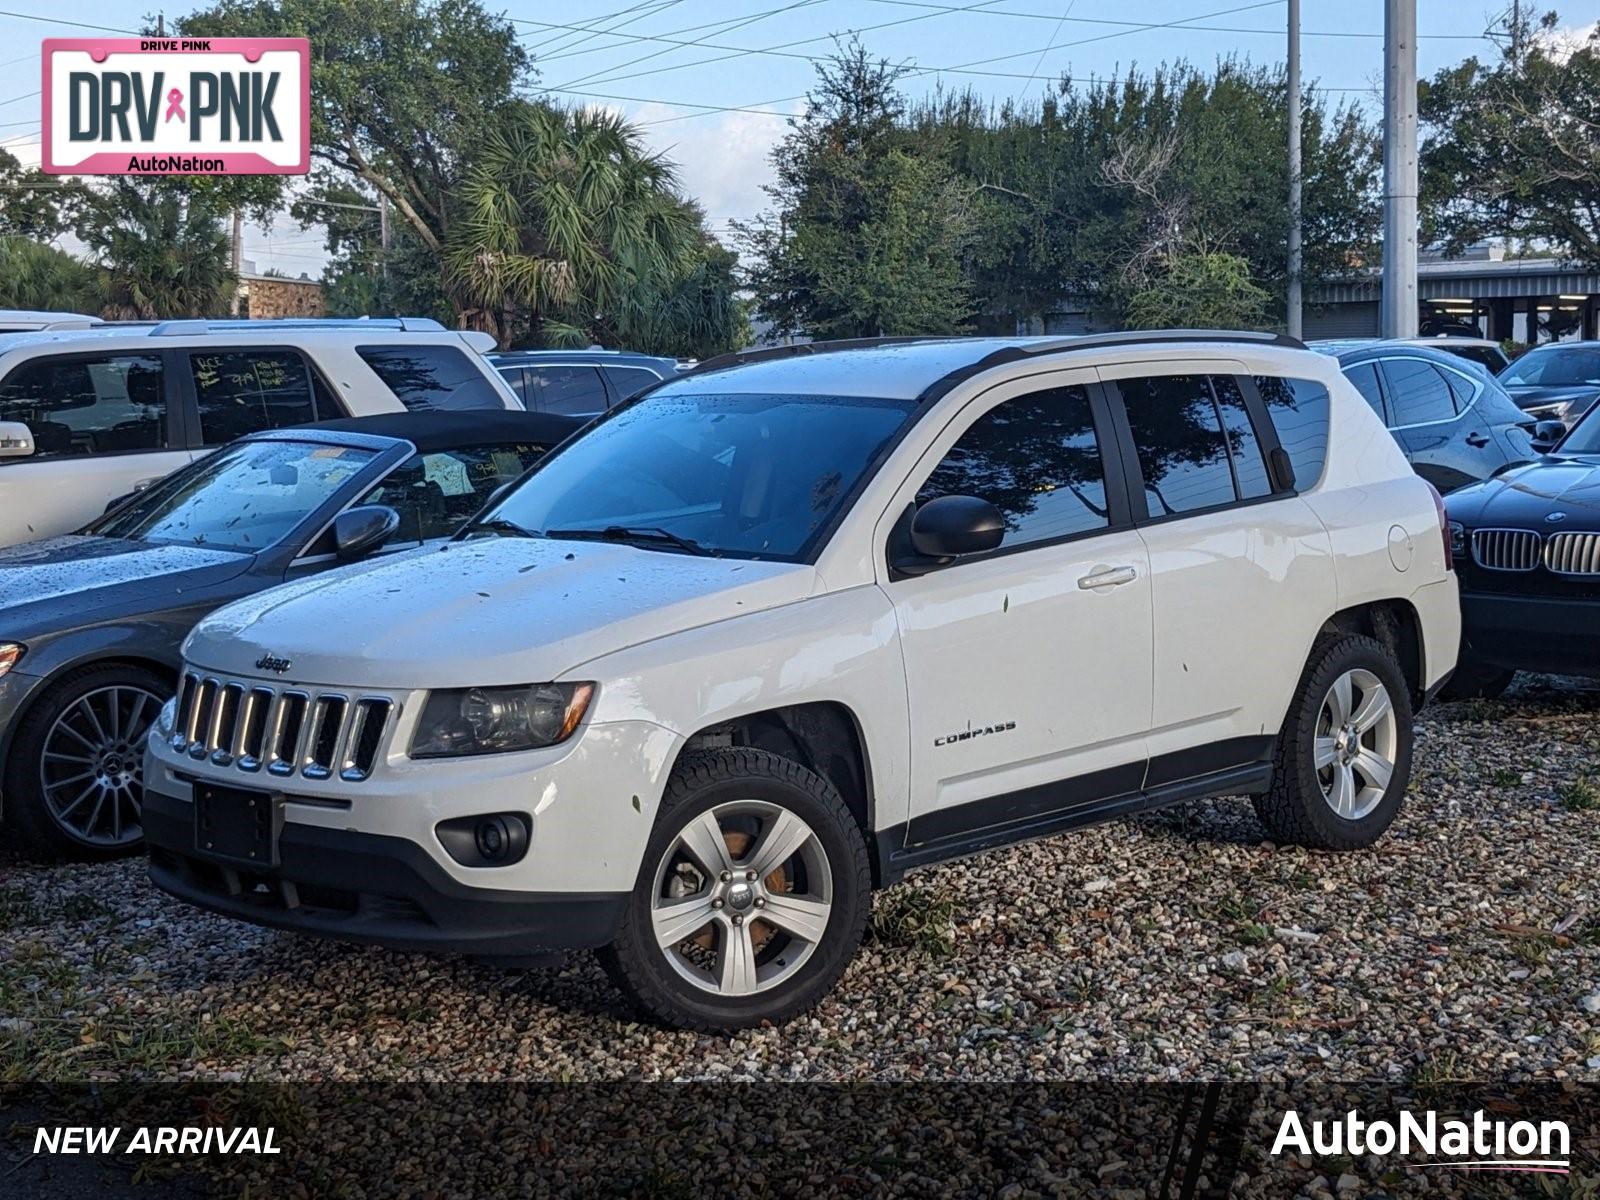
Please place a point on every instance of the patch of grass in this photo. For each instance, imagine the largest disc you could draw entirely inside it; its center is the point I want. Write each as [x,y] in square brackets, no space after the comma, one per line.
[1580,795]
[1505,777]
[1440,1070]
[1534,952]
[80,908]
[57,1031]
[1251,933]
[917,919]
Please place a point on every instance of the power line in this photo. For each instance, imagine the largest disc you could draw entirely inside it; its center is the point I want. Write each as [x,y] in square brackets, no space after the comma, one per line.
[22,16]
[651,7]
[750,20]
[718,25]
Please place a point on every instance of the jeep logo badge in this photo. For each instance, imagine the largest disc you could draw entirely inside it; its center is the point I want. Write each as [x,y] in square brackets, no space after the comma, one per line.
[270,662]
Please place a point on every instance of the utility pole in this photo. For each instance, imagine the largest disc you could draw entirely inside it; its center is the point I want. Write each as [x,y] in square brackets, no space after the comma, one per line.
[1516,32]
[1399,306]
[1295,323]
[238,258]
[383,231]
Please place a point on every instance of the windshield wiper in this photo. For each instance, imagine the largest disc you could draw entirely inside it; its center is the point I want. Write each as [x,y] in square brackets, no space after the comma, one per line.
[630,533]
[497,525]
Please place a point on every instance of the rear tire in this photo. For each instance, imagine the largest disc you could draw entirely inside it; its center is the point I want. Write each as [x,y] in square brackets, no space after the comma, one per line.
[74,777]
[751,899]
[1343,757]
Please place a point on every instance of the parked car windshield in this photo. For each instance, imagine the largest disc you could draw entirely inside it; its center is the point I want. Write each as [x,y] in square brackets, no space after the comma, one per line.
[1585,435]
[1555,366]
[750,476]
[244,497]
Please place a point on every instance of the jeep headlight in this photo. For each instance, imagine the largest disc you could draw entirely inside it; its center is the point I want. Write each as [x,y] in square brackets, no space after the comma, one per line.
[499,719]
[168,716]
[10,655]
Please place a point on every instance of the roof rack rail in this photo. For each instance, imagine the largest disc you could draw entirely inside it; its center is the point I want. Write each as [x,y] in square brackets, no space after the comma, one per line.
[1024,348]
[188,328]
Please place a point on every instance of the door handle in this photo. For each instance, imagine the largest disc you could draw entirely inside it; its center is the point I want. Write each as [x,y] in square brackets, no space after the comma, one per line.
[1108,577]
[1477,440]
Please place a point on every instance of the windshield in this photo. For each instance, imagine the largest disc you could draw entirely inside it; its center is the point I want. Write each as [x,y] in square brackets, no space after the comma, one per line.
[1585,435]
[244,497]
[1555,366]
[748,476]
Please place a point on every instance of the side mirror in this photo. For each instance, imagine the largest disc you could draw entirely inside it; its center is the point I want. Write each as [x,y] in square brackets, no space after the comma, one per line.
[950,527]
[1548,433]
[357,532]
[16,440]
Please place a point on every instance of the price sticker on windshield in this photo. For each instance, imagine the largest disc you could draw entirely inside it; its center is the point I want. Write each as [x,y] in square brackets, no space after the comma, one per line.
[177,106]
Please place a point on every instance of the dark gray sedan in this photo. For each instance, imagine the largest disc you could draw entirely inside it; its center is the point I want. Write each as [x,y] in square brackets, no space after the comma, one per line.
[91,623]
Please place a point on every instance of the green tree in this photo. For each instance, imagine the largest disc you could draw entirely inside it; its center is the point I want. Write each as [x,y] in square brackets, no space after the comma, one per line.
[871,232]
[568,230]
[399,90]
[35,205]
[164,249]
[36,276]
[1512,148]
[1199,289]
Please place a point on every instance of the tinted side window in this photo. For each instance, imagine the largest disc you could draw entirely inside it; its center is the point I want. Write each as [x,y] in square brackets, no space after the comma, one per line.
[105,405]
[1462,389]
[1037,460]
[435,493]
[574,391]
[1417,392]
[424,377]
[629,381]
[244,391]
[1182,451]
[1299,412]
[1249,464]
[513,376]
[1365,377]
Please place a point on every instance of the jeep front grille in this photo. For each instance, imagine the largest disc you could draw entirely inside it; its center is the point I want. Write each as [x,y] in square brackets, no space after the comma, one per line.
[1573,553]
[1506,549]
[284,731]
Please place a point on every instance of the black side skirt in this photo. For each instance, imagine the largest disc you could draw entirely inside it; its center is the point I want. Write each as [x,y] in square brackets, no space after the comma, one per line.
[1240,766]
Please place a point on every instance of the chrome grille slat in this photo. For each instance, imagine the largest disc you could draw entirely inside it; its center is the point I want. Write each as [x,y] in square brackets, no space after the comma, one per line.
[288,731]
[1506,549]
[1573,553]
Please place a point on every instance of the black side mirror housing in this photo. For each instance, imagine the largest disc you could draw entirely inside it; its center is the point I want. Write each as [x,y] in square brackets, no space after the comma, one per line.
[951,527]
[357,532]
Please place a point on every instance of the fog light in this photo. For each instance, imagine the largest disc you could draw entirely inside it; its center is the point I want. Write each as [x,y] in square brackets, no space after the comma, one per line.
[491,840]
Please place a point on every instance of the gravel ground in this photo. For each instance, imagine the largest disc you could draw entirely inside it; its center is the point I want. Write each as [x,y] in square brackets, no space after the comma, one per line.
[1173,946]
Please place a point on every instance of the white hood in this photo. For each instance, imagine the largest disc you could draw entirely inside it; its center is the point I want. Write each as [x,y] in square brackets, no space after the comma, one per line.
[501,610]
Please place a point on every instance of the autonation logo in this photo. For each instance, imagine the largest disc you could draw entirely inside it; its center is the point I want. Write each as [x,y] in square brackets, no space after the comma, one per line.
[1477,1144]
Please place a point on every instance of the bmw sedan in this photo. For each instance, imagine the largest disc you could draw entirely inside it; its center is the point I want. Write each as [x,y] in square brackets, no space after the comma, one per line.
[1528,558]
[91,622]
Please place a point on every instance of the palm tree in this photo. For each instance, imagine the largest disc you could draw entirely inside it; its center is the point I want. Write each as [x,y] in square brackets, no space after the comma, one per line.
[34,275]
[564,219]
[165,253]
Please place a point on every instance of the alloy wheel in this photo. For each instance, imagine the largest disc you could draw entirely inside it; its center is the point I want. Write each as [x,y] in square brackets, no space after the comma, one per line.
[741,898]
[92,769]
[1356,744]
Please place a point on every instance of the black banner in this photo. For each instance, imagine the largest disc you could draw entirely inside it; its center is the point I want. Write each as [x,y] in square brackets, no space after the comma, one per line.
[1119,1142]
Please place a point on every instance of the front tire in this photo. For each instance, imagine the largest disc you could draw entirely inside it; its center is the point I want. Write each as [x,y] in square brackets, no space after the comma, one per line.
[74,777]
[751,899]
[1344,755]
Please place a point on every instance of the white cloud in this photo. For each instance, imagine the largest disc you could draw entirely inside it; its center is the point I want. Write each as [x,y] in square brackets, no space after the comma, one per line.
[721,157]
[1562,43]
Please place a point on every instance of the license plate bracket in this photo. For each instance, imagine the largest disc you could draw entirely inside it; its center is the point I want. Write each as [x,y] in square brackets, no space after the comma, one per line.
[237,825]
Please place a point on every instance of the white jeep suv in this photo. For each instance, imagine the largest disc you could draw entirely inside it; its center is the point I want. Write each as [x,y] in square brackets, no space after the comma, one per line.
[91,412]
[786,627]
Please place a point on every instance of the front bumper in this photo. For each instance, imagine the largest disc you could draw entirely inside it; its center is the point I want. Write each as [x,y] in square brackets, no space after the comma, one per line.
[1532,633]
[365,887]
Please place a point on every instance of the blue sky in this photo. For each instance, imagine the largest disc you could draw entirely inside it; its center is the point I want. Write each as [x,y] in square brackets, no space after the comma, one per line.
[632,55]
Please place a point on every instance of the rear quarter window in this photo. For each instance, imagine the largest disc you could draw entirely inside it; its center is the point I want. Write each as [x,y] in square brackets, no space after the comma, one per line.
[424,377]
[1299,412]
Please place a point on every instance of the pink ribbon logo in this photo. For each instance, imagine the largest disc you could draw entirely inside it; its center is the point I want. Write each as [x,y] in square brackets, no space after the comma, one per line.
[175,105]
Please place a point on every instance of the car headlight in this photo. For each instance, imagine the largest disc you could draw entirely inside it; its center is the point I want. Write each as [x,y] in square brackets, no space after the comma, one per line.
[168,716]
[499,719]
[10,655]
[1458,538]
